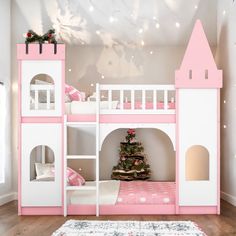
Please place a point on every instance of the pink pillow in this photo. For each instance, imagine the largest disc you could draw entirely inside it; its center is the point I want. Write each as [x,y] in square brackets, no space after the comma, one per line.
[74,178]
[74,94]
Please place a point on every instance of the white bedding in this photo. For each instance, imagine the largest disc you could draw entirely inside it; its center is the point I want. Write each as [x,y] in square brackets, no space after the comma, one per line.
[89,107]
[43,106]
[77,107]
[108,194]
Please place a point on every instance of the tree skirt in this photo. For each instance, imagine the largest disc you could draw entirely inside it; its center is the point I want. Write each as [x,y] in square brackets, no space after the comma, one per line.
[128,228]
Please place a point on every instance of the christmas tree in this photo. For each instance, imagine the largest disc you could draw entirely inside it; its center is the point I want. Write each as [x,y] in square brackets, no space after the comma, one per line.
[132,164]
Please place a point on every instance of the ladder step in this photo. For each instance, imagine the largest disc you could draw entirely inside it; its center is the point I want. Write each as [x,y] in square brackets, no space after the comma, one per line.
[83,187]
[74,157]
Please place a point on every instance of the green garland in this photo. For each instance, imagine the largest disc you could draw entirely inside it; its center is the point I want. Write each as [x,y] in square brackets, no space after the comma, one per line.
[49,37]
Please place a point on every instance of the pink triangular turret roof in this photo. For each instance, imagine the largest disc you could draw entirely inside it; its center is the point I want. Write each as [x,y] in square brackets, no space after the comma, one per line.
[198,68]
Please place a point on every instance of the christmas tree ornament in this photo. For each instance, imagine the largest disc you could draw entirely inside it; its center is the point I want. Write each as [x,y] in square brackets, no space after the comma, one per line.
[132,164]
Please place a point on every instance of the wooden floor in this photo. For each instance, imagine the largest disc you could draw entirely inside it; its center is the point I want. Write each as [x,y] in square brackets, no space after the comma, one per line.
[12,224]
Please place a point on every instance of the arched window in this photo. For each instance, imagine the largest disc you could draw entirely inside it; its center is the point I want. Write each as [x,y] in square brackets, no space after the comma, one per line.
[197,163]
[42,163]
[42,95]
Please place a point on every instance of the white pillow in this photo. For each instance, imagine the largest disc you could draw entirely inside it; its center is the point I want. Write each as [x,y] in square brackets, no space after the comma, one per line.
[44,170]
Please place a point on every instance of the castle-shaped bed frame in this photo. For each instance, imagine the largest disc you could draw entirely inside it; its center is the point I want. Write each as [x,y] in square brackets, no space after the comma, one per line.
[191,119]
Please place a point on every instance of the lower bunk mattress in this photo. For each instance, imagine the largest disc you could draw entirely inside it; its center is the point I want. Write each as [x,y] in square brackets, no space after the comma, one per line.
[113,192]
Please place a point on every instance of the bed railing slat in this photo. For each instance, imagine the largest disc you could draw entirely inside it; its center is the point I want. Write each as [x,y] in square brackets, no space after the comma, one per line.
[154,99]
[132,99]
[121,99]
[143,99]
[109,99]
[165,99]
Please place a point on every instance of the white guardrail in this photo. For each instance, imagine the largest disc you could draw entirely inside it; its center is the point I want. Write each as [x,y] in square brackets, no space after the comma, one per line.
[123,98]
[136,99]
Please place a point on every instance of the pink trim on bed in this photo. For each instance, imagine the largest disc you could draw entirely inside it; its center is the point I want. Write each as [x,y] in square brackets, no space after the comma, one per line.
[120,118]
[41,211]
[183,82]
[148,105]
[81,118]
[218,151]
[62,131]
[146,192]
[122,209]
[177,153]
[198,210]
[41,119]
[137,118]
[47,52]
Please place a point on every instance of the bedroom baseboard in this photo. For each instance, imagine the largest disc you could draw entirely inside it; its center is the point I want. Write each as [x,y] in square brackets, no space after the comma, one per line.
[228,198]
[7,198]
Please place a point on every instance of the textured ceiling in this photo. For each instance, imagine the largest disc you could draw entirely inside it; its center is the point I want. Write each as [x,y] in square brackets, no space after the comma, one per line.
[127,22]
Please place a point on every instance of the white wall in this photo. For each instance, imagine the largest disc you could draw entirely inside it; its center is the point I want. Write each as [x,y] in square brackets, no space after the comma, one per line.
[5,76]
[226,57]
[121,65]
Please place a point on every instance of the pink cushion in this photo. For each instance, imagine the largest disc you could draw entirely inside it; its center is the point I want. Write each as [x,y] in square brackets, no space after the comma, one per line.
[74,94]
[74,178]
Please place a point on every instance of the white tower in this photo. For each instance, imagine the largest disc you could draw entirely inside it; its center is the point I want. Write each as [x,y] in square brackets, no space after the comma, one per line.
[198,84]
[41,114]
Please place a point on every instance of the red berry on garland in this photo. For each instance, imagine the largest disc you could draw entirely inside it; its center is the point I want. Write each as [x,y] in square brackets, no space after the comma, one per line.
[29,34]
[136,163]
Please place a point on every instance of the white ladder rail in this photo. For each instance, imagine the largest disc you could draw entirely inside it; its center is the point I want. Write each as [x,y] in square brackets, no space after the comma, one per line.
[97,146]
[65,166]
[84,157]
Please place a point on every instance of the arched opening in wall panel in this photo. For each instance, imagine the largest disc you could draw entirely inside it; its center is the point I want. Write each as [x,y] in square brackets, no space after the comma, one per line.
[42,94]
[158,148]
[197,163]
[42,164]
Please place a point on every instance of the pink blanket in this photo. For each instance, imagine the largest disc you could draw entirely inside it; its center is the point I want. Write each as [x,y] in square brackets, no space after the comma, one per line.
[146,192]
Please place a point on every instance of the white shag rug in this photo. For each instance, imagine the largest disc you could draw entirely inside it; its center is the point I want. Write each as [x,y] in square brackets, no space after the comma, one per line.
[128,228]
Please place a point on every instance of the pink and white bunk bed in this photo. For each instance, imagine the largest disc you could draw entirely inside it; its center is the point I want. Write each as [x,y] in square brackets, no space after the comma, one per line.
[188,112]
